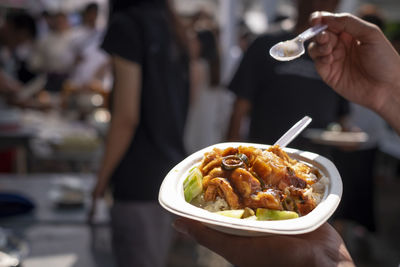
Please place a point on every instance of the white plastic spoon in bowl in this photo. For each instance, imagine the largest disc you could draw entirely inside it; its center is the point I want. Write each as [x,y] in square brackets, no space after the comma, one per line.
[293,132]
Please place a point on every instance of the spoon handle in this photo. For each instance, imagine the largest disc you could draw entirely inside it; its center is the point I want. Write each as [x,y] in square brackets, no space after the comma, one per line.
[293,132]
[311,32]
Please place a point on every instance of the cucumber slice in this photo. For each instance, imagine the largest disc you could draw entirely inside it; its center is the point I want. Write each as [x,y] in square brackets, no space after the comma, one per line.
[231,213]
[193,186]
[267,214]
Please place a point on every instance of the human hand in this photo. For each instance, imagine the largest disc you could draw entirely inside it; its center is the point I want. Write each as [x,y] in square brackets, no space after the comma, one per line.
[322,247]
[357,61]
[8,85]
[98,192]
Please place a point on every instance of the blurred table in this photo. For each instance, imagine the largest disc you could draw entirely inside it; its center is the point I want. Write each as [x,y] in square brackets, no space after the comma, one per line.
[60,138]
[18,138]
[58,237]
[11,138]
[49,137]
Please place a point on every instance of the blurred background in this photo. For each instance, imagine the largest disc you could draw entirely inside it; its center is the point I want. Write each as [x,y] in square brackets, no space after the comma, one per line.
[56,83]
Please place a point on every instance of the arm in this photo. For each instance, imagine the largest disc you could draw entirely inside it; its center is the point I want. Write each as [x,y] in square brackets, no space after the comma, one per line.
[245,84]
[8,84]
[241,109]
[197,76]
[36,59]
[125,117]
[357,61]
[322,247]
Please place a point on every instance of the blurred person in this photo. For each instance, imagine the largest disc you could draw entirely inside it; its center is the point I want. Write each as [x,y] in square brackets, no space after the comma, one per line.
[88,32]
[358,62]
[24,50]
[357,164]
[18,30]
[55,54]
[90,13]
[203,20]
[372,14]
[281,22]
[91,59]
[43,22]
[276,94]
[211,103]
[245,36]
[148,49]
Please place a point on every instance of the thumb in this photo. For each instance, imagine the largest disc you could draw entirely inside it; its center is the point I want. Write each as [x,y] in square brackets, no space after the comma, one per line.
[345,22]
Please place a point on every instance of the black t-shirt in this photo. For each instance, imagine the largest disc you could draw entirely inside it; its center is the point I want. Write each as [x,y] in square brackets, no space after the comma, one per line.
[281,93]
[142,35]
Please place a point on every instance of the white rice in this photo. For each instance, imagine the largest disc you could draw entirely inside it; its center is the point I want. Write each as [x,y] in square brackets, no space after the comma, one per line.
[318,189]
[218,205]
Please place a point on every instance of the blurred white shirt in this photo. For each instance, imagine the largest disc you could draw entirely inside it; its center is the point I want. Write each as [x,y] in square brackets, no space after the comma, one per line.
[87,41]
[55,53]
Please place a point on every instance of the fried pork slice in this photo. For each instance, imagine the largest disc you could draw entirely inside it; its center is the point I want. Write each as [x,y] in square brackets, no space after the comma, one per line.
[229,151]
[208,158]
[309,174]
[304,202]
[211,165]
[270,168]
[270,199]
[216,172]
[213,158]
[244,182]
[277,150]
[251,153]
[291,180]
[276,172]
[305,205]
[303,171]
[222,187]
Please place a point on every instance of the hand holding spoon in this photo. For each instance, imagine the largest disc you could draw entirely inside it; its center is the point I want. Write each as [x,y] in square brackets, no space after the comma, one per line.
[291,49]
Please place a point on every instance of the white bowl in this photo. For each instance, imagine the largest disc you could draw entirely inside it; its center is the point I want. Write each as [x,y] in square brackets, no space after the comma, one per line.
[172,199]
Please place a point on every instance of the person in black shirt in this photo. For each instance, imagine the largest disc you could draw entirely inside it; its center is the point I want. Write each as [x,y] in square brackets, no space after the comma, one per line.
[150,100]
[277,94]
[17,29]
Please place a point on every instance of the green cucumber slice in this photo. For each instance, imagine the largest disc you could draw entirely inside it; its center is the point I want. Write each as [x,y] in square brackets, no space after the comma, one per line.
[231,213]
[193,186]
[267,214]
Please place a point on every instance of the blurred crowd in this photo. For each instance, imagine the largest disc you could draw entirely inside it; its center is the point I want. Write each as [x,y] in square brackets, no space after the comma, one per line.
[49,63]
[53,59]
[45,58]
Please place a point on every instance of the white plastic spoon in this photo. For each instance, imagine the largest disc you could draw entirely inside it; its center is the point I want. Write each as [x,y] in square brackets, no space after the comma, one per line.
[293,132]
[289,50]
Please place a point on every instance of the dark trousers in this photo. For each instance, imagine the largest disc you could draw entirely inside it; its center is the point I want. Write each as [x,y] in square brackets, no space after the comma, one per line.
[357,171]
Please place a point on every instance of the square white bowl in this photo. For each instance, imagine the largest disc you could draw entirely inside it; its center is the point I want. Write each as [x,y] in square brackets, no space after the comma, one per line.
[172,199]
